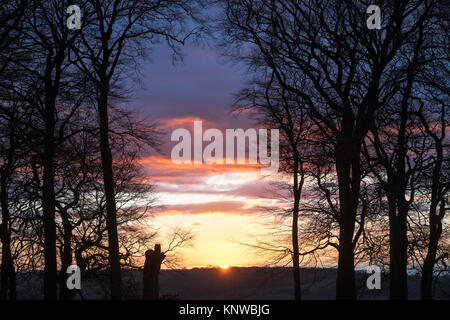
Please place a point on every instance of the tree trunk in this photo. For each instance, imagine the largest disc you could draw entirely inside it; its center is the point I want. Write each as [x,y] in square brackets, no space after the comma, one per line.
[108,180]
[398,226]
[8,282]
[66,258]
[435,220]
[345,287]
[295,255]
[426,285]
[347,165]
[394,270]
[48,194]
[398,259]
[295,214]
[152,266]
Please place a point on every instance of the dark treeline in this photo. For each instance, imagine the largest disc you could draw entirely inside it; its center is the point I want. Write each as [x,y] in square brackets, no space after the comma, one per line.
[363,117]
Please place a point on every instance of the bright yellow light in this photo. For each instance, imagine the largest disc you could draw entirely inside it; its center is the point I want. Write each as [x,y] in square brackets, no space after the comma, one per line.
[224,267]
[218,239]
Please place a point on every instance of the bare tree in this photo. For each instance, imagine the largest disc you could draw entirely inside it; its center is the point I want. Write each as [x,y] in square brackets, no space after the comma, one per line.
[113,35]
[80,192]
[436,126]
[401,145]
[46,41]
[276,107]
[10,31]
[9,155]
[325,54]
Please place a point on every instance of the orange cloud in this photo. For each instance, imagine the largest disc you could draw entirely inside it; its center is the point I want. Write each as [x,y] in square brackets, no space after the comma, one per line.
[162,169]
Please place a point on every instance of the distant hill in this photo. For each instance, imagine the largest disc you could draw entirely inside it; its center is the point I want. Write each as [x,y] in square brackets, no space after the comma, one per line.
[233,283]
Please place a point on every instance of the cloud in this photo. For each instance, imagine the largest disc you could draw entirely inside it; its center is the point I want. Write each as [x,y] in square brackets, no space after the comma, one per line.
[163,169]
[185,122]
[225,207]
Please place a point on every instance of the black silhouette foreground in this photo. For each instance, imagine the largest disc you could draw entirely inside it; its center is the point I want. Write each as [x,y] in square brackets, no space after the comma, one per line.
[153,261]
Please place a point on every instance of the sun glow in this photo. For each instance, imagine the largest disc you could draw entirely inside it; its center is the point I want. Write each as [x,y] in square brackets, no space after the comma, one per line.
[224,267]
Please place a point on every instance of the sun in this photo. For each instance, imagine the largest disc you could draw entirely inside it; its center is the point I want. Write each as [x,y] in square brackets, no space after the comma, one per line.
[224,267]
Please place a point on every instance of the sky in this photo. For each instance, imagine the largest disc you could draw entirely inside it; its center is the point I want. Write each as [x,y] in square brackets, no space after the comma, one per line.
[221,204]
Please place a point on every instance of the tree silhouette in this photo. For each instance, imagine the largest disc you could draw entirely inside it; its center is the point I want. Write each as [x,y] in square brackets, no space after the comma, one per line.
[325,54]
[116,34]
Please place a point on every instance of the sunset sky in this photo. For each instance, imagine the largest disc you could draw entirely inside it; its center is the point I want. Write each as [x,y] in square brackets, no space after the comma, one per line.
[220,203]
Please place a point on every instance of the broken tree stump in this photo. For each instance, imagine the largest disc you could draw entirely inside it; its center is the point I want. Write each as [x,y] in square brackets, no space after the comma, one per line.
[152,266]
